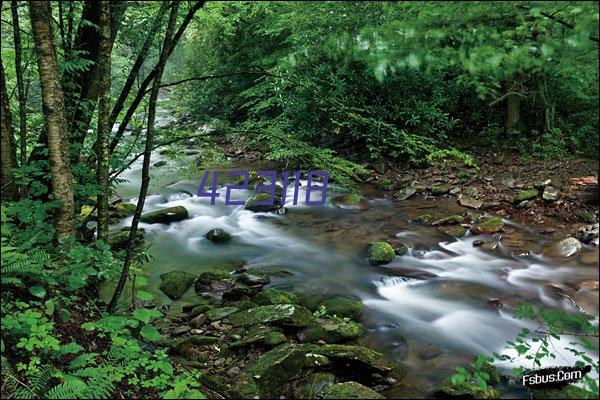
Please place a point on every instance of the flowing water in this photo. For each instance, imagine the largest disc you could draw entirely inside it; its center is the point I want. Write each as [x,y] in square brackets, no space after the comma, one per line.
[431,325]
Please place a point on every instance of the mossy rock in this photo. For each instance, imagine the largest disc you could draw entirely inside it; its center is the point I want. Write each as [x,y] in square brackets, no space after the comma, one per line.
[175,283]
[242,304]
[165,215]
[384,184]
[381,253]
[344,307]
[271,272]
[488,226]
[220,313]
[279,314]
[274,296]
[526,194]
[453,219]
[119,240]
[269,337]
[349,201]
[586,216]
[424,218]
[466,391]
[200,309]
[122,210]
[253,179]
[312,301]
[201,340]
[218,235]
[454,231]
[160,163]
[315,383]
[439,190]
[350,390]
[215,274]
[567,392]
[252,206]
[330,331]
[401,250]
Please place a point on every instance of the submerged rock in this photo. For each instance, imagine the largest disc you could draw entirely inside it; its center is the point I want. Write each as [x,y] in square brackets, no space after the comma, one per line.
[165,215]
[349,201]
[468,201]
[350,390]
[175,283]
[344,307]
[523,195]
[279,314]
[565,248]
[405,193]
[252,206]
[218,235]
[488,226]
[381,253]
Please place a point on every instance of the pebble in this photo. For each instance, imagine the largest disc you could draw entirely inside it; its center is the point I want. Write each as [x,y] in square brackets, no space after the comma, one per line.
[233,372]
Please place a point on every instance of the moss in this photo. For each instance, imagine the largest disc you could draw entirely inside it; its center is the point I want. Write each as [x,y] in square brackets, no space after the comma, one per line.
[122,210]
[567,392]
[439,190]
[203,340]
[466,390]
[119,240]
[212,275]
[424,218]
[218,235]
[586,216]
[401,250]
[220,313]
[489,226]
[381,253]
[344,307]
[523,195]
[350,390]
[201,309]
[331,331]
[251,206]
[165,215]
[175,283]
[280,314]
[273,296]
[242,304]
[269,337]
[453,219]
[384,184]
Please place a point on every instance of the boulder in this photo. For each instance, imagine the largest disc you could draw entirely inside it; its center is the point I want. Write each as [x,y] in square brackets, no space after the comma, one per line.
[119,240]
[381,253]
[251,206]
[468,201]
[565,248]
[401,250]
[488,226]
[278,314]
[268,337]
[344,307]
[405,194]
[350,390]
[253,280]
[214,280]
[175,283]
[550,194]
[218,235]
[273,296]
[449,220]
[523,195]
[315,384]
[330,331]
[219,313]
[165,215]
[122,210]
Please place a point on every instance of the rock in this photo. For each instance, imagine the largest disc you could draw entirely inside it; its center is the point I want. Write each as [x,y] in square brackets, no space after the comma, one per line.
[455,231]
[423,218]
[198,321]
[218,235]
[589,285]
[586,216]
[242,304]
[279,314]
[344,307]
[406,273]
[523,195]
[542,184]
[550,194]
[315,383]
[488,226]
[265,376]
[384,184]
[259,335]
[439,190]
[565,248]
[468,201]
[122,210]
[200,309]
[165,215]
[466,390]
[405,194]
[160,163]
[272,272]
[588,233]
[567,392]
[119,240]
[239,292]
[180,330]
[175,283]
[203,340]
[233,372]
[455,190]
[330,331]
[253,280]
[350,390]
[478,243]
[220,313]
[401,250]
[263,197]
[381,253]
[273,296]
[547,231]
[350,201]
[450,220]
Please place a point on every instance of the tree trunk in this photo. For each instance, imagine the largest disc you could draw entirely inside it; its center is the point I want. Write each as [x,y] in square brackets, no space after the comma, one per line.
[20,84]
[141,57]
[514,123]
[54,112]
[142,90]
[164,55]
[8,157]
[103,120]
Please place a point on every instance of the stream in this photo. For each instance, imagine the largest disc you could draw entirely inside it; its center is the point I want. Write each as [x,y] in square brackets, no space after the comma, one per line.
[431,325]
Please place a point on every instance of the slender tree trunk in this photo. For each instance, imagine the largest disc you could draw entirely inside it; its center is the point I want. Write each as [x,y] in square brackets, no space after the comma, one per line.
[8,157]
[142,90]
[141,57]
[103,120]
[514,123]
[20,84]
[54,112]
[164,55]
[547,106]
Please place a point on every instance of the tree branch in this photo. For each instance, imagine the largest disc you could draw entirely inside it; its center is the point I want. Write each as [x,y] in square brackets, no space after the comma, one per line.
[207,77]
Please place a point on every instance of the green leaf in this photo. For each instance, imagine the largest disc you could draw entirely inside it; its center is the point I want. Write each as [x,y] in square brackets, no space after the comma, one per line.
[150,333]
[49,310]
[145,296]
[145,314]
[38,291]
